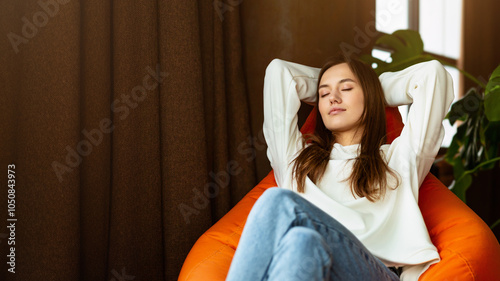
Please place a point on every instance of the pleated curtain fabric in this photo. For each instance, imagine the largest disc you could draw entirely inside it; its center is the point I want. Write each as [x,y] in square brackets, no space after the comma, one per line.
[128,125]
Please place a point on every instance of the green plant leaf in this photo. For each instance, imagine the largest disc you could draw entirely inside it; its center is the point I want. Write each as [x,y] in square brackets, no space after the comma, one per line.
[412,38]
[461,186]
[492,105]
[495,224]
[458,168]
[492,137]
[469,104]
[468,172]
[371,60]
[456,143]
[407,48]
[492,96]
[472,150]
[490,153]
[463,181]
[493,85]
[405,44]
[494,82]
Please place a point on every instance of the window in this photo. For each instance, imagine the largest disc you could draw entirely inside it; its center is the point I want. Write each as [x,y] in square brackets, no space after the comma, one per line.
[438,22]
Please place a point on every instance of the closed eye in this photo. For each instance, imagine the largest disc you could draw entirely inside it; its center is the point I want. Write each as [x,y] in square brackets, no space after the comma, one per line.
[347,89]
[324,95]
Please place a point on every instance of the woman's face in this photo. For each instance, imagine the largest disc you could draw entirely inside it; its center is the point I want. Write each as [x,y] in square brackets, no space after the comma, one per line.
[341,99]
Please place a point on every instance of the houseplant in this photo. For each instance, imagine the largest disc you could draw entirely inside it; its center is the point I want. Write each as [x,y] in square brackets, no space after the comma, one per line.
[475,145]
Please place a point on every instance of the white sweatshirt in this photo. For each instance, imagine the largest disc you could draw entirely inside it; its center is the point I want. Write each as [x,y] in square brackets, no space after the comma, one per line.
[392,228]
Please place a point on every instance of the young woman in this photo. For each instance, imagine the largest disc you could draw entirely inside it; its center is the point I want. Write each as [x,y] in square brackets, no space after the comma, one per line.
[346,206]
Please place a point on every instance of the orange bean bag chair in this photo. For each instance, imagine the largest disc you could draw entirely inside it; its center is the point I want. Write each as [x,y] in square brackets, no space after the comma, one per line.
[468,248]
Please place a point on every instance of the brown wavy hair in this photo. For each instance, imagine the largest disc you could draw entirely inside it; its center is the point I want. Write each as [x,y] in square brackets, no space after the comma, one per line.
[369,174]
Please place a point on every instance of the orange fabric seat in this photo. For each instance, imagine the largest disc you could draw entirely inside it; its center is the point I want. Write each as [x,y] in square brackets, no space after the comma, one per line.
[468,248]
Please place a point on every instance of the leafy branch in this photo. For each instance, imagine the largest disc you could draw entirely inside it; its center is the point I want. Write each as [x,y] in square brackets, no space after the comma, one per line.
[475,146]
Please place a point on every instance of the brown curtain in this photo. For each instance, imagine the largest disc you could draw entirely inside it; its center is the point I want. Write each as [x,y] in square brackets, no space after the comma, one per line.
[128,125]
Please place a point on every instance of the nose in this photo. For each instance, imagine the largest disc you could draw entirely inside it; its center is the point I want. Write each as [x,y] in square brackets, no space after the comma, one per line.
[335,97]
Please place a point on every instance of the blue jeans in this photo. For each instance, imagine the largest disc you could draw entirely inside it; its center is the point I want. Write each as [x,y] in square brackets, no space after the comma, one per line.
[288,238]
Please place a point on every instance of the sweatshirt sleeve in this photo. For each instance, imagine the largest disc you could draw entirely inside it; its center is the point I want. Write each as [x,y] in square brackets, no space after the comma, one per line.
[428,87]
[285,85]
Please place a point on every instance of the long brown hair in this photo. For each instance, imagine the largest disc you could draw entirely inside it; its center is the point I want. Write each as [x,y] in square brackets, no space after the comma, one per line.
[368,178]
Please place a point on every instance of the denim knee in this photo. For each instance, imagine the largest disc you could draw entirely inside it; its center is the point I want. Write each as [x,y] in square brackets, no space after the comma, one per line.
[309,245]
[276,194]
[300,236]
[272,200]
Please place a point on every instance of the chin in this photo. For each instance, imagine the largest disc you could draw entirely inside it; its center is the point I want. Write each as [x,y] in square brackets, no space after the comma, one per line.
[335,128]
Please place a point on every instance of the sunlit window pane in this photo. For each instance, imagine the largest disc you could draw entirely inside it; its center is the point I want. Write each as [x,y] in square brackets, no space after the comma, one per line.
[391,15]
[440,26]
[382,55]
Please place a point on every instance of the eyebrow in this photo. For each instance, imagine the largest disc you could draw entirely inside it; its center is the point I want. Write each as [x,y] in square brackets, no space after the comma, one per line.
[340,82]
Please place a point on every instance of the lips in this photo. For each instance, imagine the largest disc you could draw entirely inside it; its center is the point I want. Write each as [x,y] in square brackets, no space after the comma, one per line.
[336,110]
